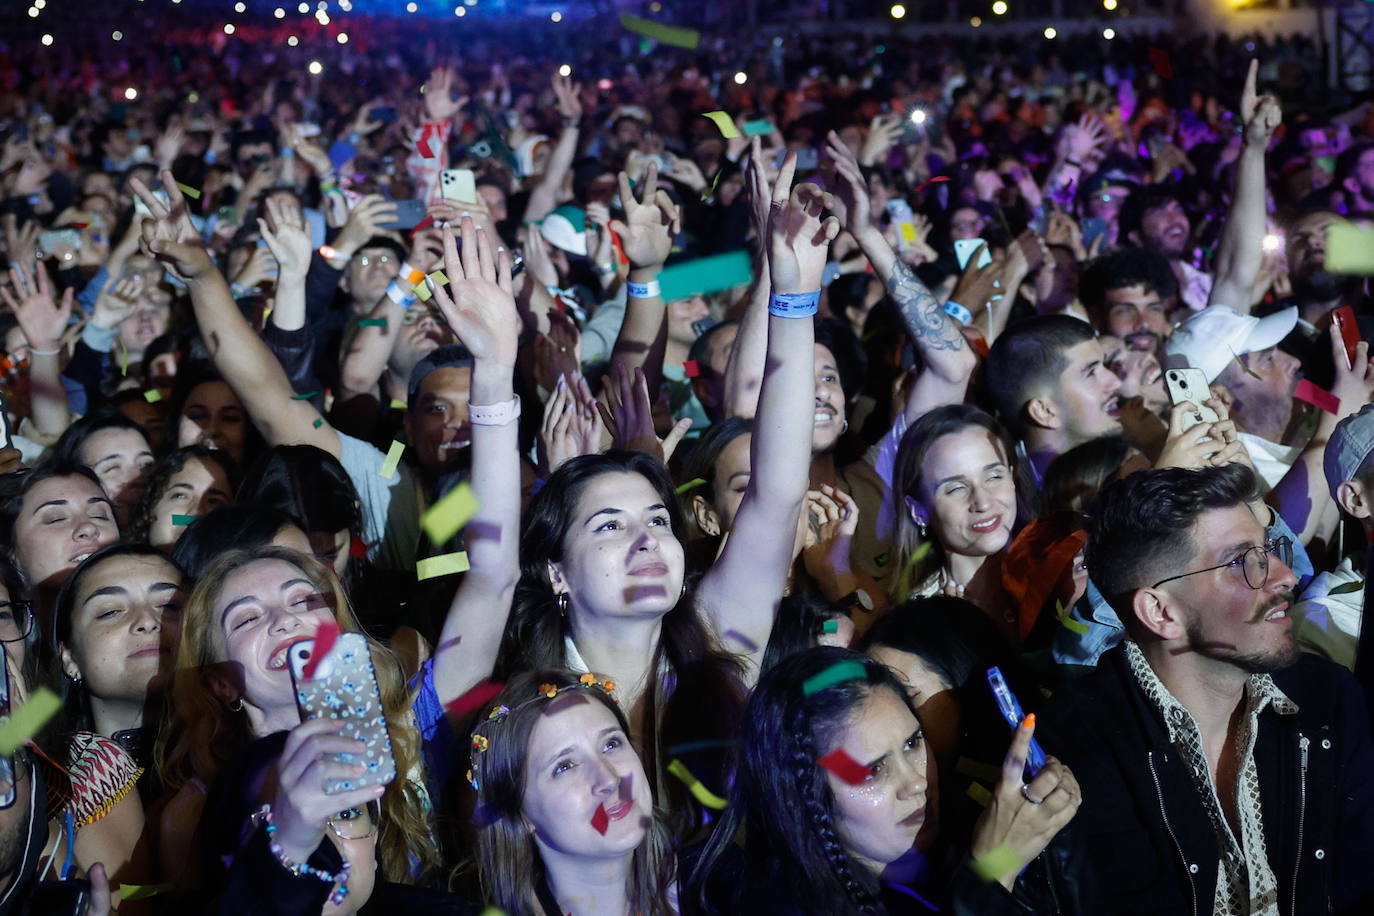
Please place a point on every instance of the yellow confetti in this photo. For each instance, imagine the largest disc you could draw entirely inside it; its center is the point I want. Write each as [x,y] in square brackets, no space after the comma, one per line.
[979,794]
[152,395]
[443,565]
[993,865]
[143,891]
[25,722]
[728,130]
[446,517]
[438,278]
[393,459]
[422,290]
[699,791]
[397,405]
[1349,249]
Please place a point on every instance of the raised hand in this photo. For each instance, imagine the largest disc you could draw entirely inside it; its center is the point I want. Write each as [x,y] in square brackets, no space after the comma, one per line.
[287,237]
[568,96]
[478,304]
[629,415]
[169,145]
[168,234]
[1260,114]
[799,236]
[440,105]
[301,809]
[883,132]
[1085,137]
[117,301]
[310,151]
[572,424]
[364,221]
[852,205]
[42,318]
[650,222]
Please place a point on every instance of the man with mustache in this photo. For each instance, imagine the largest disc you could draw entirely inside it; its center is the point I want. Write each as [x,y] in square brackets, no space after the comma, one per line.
[1223,770]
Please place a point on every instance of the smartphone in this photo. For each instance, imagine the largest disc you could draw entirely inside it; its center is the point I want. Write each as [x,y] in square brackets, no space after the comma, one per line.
[1011,711]
[1092,227]
[54,239]
[806,159]
[345,687]
[1190,385]
[964,249]
[1344,319]
[383,115]
[61,898]
[141,209]
[903,223]
[459,185]
[409,213]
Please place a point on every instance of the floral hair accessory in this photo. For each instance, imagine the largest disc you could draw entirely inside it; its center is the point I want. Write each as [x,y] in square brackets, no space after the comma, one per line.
[480,743]
[498,713]
[587,679]
[548,690]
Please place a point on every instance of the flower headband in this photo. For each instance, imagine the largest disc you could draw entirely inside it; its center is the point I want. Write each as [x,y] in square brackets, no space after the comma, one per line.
[497,714]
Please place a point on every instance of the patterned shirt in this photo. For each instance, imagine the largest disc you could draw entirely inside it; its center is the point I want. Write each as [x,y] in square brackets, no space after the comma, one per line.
[1246,885]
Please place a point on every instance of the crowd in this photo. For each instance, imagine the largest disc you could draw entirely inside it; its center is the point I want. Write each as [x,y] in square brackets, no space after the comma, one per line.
[440,478]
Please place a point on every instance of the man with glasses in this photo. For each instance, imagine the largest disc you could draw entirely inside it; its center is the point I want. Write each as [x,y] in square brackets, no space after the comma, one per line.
[1223,771]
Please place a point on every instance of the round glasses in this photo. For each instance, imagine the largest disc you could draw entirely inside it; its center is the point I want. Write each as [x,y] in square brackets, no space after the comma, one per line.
[16,620]
[356,823]
[1253,563]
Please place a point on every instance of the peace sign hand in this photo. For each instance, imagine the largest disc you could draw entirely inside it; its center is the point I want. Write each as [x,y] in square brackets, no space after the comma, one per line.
[168,234]
[799,235]
[650,222]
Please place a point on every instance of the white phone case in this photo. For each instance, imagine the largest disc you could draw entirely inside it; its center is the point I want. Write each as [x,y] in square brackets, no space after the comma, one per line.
[459,185]
[1190,385]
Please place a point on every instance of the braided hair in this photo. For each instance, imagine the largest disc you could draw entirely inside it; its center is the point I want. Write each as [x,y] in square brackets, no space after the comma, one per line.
[790,841]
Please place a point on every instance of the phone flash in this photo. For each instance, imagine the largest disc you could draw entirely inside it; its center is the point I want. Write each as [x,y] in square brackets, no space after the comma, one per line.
[1271,242]
[918,116]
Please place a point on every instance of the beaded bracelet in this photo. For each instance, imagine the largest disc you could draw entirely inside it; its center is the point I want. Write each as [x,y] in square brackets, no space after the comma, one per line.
[304,869]
[794,305]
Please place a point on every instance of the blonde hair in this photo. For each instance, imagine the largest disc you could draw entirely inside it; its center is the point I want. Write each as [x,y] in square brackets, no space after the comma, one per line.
[200,732]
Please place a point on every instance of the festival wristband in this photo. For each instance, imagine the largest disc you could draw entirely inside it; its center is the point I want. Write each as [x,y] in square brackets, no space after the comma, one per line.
[400,295]
[650,290]
[958,312]
[411,275]
[494,414]
[794,305]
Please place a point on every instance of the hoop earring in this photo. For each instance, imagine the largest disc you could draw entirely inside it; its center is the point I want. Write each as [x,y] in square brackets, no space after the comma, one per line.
[236,704]
[845,428]
[562,601]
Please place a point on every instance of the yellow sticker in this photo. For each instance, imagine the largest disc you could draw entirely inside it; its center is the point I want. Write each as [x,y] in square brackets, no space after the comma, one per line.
[443,565]
[728,130]
[446,517]
[393,459]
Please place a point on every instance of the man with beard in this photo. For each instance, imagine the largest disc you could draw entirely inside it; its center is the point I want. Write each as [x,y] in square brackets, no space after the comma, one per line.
[1355,176]
[1223,771]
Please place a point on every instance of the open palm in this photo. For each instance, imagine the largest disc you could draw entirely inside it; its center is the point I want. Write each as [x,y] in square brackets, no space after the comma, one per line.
[478,303]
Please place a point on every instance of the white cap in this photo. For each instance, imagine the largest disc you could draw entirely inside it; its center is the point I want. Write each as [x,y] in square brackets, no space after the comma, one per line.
[1218,334]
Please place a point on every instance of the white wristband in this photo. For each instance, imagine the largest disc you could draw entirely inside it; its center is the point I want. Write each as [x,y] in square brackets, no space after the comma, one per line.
[494,414]
[650,290]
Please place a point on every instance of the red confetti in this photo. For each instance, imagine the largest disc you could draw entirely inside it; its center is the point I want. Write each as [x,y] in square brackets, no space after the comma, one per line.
[692,369]
[1322,400]
[845,767]
[357,549]
[477,697]
[325,637]
[927,183]
[601,820]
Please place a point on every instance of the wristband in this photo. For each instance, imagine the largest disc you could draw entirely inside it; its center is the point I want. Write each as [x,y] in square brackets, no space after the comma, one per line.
[287,152]
[494,414]
[327,186]
[33,352]
[650,290]
[354,138]
[400,295]
[411,275]
[794,305]
[958,312]
[210,157]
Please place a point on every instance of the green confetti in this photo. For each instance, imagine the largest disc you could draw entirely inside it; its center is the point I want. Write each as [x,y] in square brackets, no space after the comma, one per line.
[143,891]
[837,673]
[979,794]
[373,323]
[305,397]
[1076,626]
[25,722]
[422,290]
[975,770]
[183,519]
[759,128]
[152,396]
[397,405]
[1346,588]
[995,864]
[830,626]
[667,34]
[318,423]
[393,459]
[724,123]
[444,565]
[188,191]
[691,485]
[439,278]
[444,519]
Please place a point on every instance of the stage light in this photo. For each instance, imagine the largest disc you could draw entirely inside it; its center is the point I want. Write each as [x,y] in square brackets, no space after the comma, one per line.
[279,13]
[118,35]
[1109,34]
[1109,5]
[410,7]
[240,8]
[131,93]
[741,78]
[897,11]
[976,21]
[565,70]
[322,17]
[1000,7]
[342,38]
[228,28]
[193,98]
[315,68]
[293,41]
[460,11]
[40,4]
[1050,31]
[655,7]
[604,85]
[46,39]
[556,16]
[303,8]
[33,12]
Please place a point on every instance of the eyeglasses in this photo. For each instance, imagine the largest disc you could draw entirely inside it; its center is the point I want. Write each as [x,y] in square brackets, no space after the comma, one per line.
[1254,563]
[16,620]
[356,823]
[367,259]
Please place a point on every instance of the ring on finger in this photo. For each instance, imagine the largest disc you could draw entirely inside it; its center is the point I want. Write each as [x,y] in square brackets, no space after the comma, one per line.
[1025,793]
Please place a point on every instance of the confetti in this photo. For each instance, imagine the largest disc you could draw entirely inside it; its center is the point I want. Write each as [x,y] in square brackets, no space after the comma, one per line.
[318,423]
[830,626]
[152,395]
[727,127]
[979,794]
[759,128]
[699,791]
[373,323]
[692,369]
[479,696]
[25,722]
[356,548]
[422,290]
[325,637]
[690,746]
[443,565]
[1347,588]
[1323,400]
[993,865]
[439,278]
[183,519]
[691,485]
[837,673]
[845,767]
[123,359]
[393,458]
[188,191]
[397,405]
[446,517]
[305,397]
[601,820]
[142,891]
[1349,249]
[1159,59]
[1076,626]
[975,770]
[667,34]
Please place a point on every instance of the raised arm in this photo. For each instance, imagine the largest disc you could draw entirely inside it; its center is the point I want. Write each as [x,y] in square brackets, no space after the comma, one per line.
[740,593]
[544,196]
[647,233]
[1240,249]
[744,371]
[946,355]
[246,363]
[480,308]
[43,319]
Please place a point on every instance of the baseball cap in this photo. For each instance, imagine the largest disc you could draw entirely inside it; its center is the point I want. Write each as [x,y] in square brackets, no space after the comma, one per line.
[1218,334]
[1348,447]
[449,356]
[566,228]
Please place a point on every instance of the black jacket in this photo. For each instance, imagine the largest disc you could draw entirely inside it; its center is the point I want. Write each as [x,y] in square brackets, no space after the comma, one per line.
[1148,838]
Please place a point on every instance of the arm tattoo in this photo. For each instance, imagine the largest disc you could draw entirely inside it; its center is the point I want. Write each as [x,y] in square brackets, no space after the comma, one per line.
[926,321]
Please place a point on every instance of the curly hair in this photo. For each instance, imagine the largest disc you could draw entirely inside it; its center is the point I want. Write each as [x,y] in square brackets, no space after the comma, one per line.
[160,476]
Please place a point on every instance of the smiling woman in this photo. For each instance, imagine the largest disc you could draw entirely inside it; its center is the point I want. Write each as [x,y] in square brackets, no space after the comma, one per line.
[59,516]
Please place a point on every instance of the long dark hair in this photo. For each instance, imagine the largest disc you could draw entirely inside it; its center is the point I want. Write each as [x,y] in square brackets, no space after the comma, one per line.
[68,448]
[167,467]
[781,797]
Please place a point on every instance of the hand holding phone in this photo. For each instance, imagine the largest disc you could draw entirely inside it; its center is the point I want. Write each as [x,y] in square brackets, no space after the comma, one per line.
[1344,320]
[1191,385]
[1011,711]
[964,249]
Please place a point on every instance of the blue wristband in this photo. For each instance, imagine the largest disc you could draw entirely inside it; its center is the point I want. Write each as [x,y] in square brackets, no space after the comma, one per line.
[958,312]
[400,295]
[794,305]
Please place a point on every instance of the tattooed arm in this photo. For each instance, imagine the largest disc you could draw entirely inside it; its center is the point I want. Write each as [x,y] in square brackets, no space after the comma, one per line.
[945,354]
